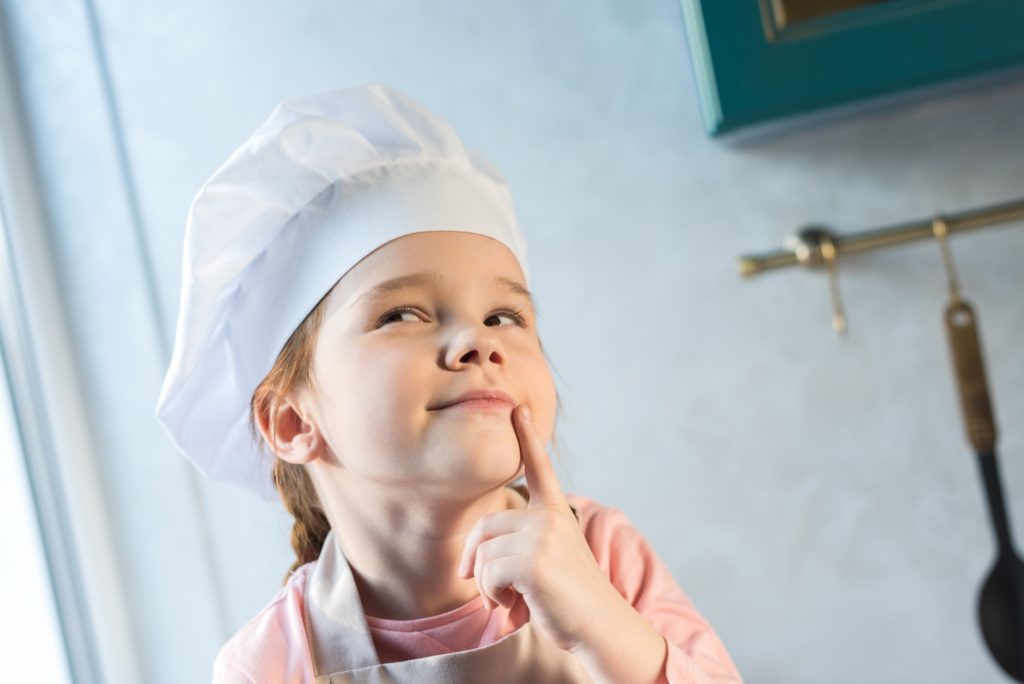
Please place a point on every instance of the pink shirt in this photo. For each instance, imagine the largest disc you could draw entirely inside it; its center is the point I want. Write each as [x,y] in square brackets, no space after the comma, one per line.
[273,647]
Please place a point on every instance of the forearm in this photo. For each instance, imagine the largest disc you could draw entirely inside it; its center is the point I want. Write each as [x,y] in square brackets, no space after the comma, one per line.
[623,649]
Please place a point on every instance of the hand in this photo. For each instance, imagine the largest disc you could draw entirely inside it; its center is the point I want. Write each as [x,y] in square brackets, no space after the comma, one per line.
[541,553]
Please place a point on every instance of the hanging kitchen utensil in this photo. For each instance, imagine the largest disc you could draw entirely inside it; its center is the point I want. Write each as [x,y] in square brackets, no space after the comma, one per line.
[1001,599]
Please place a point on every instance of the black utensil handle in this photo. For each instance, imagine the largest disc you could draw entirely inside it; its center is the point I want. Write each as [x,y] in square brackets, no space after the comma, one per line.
[996,505]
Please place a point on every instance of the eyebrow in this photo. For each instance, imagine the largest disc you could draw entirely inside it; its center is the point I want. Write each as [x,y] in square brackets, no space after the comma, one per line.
[428,278]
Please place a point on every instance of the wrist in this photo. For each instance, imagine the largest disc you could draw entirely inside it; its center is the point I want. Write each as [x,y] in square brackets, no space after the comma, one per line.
[622,647]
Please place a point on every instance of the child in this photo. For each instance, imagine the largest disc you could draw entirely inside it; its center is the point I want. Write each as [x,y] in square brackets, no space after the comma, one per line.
[354,296]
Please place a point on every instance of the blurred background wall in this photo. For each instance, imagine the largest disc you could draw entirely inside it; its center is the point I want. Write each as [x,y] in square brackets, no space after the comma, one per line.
[814,496]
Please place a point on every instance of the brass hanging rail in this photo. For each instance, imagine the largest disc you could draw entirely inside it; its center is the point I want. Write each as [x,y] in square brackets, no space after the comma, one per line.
[806,247]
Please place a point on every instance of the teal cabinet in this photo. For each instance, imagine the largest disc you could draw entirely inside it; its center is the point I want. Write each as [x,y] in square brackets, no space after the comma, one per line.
[758,62]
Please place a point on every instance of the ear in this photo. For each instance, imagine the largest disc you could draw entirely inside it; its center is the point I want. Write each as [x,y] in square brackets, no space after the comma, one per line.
[296,438]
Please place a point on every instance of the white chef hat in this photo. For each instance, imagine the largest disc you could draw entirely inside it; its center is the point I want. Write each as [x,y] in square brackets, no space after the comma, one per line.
[324,181]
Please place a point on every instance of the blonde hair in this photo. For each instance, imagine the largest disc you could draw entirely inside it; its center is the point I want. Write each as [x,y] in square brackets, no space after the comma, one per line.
[292,370]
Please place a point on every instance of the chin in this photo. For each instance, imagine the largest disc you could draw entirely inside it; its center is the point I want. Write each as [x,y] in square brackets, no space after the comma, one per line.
[480,460]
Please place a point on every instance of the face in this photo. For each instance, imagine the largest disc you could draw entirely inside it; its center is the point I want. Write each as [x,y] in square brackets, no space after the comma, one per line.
[386,359]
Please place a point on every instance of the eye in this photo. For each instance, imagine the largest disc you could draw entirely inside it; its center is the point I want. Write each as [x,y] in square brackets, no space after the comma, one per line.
[515,314]
[517,317]
[396,312]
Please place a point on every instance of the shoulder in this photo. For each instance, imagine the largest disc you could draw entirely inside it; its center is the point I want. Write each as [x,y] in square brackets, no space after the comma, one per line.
[273,644]
[623,553]
[603,526]
[642,578]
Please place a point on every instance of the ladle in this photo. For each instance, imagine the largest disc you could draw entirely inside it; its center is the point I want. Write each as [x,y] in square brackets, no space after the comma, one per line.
[1001,599]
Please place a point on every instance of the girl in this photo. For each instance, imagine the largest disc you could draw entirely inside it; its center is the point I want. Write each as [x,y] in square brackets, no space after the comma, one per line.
[354,298]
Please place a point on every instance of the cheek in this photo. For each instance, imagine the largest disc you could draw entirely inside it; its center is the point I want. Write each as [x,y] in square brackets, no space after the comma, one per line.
[368,399]
[543,398]
[388,389]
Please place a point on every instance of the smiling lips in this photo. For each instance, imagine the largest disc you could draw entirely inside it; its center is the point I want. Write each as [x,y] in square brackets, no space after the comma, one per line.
[480,399]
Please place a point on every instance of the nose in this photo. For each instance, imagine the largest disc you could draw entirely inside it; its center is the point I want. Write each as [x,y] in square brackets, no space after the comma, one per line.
[474,344]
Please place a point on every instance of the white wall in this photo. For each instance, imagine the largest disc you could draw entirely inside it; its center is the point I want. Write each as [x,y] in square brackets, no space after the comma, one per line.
[815,497]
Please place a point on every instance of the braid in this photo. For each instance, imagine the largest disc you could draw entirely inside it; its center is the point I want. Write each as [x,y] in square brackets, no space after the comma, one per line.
[300,499]
[291,370]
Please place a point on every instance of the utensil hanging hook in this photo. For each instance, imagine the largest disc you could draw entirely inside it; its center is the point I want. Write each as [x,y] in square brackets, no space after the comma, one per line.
[828,253]
[814,246]
[941,231]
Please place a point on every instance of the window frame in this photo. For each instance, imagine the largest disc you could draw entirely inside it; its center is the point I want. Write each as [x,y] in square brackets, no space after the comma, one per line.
[51,418]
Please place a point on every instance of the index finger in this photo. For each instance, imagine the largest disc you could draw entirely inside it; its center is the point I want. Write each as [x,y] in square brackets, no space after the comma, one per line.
[541,479]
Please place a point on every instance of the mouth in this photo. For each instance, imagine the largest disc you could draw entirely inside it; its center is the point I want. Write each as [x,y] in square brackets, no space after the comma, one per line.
[484,399]
[479,405]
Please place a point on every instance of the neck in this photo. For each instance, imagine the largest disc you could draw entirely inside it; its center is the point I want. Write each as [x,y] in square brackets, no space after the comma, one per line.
[405,551]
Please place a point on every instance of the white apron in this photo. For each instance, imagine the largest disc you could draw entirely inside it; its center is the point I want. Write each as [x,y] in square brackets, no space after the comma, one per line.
[343,650]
